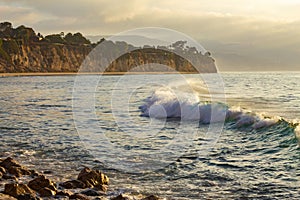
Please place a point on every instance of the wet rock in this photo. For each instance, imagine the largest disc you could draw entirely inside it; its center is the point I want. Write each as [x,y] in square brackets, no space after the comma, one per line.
[92,178]
[34,173]
[102,188]
[100,198]
[64,193]
[18,171]
[91,192]
[41,182]
[27,197]
[13,167]
[46,192]
[6,197]
[9,177]
[14,189]
[2,170]
[79,196]
[9,162]
[73,184]
[151,197]
[121,197]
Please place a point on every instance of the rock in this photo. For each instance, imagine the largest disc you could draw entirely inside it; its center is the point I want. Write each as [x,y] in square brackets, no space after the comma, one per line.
[73,184]
[9,162]
[2,170]
[46,192]
[6,197]
[151,197]
[27,197]
[18,171]
[41,182]
[1,175]
[34,173]
[90,192]
[79,196]
[120,197]
[13,167]
[92,178]
[100,198]
[14,189]
[102,188]
[8,176]
[65,193]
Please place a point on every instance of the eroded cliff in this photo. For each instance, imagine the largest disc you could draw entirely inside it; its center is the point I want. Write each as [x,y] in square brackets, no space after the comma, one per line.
[22,50]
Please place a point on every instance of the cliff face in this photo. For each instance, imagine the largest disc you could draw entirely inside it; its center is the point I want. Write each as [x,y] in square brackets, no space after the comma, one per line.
[22,50]
[44,58]
[144,60]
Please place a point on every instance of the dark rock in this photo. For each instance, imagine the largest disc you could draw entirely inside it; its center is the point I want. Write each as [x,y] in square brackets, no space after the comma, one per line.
[2,170]
[151,197]
[46,192]
[9,162]
[34,173]
[73,184]
[52,187]
[120,197]
[13,167]
[14,189]
[41,182]
[47,172]
[8,176]
[65,193]
[27,197]
[90,192]
[79,196]
[6,197]
[92,178]
[18,171]
[102,188]
[100,198]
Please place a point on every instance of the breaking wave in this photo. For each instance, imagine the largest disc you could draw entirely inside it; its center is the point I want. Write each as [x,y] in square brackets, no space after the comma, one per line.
[167,102]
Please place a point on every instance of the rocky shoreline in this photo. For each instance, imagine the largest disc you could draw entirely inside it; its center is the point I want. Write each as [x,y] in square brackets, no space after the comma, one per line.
[22,183]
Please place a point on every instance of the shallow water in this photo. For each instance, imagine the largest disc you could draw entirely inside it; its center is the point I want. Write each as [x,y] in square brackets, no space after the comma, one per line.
[37,127]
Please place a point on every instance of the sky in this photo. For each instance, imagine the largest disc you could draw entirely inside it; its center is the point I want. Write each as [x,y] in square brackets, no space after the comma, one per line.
[241,35]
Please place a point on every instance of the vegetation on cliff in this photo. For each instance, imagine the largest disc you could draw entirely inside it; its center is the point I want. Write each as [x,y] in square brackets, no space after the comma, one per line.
[22,50]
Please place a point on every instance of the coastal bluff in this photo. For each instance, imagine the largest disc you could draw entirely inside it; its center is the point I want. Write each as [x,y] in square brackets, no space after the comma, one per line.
[24,51]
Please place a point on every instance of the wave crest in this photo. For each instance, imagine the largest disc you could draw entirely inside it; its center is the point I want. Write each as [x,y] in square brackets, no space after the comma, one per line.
[167,103]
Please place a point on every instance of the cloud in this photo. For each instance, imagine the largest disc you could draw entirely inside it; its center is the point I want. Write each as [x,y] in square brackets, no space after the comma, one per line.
[264,33]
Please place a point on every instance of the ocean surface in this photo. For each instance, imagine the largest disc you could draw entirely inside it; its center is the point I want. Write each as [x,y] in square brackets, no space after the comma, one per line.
[149,133]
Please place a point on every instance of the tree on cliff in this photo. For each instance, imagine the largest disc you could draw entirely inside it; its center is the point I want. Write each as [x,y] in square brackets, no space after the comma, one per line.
[5,25]
[55,38]
[77,38]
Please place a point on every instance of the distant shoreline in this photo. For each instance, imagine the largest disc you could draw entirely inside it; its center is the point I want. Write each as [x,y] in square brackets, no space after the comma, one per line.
[87,73]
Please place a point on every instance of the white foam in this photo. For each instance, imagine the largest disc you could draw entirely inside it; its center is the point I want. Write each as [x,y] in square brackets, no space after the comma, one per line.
[262,123]
[164,103]
[169,103]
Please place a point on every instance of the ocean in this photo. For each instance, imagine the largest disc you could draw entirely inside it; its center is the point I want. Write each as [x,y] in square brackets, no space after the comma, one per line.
[160,134]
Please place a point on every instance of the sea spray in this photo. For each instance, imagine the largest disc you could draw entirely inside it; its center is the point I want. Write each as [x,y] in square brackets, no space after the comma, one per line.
[297,133]
[177,103]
